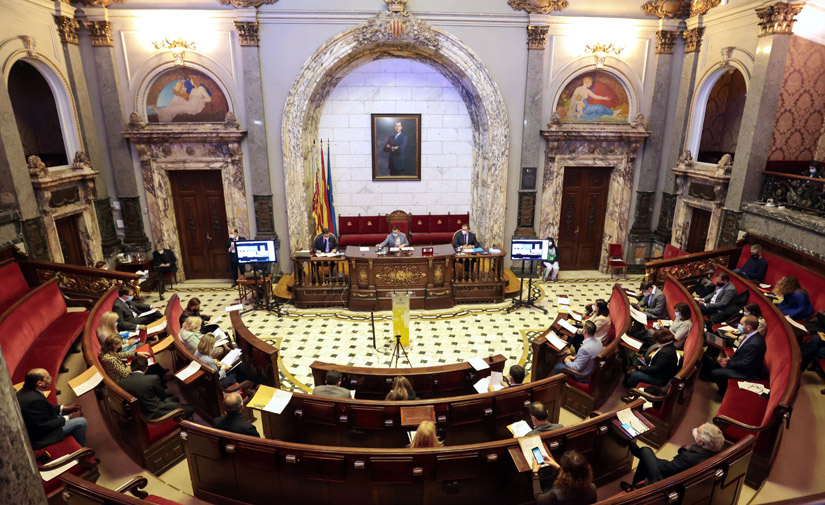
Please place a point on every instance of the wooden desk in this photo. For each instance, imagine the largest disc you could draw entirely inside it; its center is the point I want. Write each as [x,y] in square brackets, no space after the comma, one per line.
[365,280]
[247,287]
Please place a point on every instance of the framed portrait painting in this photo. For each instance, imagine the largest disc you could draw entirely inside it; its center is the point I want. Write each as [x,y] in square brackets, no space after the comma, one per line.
[396,147]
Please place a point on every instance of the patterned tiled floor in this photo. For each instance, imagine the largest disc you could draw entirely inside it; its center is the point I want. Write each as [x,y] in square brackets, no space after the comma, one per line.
[436,337]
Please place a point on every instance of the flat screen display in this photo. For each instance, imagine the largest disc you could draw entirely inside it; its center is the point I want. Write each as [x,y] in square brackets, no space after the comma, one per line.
[529,249]
[256,251]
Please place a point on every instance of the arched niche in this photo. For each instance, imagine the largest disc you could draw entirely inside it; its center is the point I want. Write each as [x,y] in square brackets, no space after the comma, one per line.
[623,77]
[380,37]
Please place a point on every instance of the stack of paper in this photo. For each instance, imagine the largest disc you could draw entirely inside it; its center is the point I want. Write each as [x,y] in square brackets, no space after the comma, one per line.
[567,326]
[157,326]
[575,315]
[231,357]
[236,307]
[519,429]
[564,309]
[479,364]
[150,311]
[483,384]
[632,293]
[51,474]
[189,371]
[270,399]
[628,418]
[639,316]
[555,341]
[796,325]
[754,387]
[220,337]
[725,327]
[86,381]
[364,249]
[666,323]
[632,342]
[527,445]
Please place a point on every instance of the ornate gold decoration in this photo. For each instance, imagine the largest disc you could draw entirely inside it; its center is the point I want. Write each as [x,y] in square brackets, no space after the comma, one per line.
[369,223]
[390,26]
[177,47]
[363,279]
[536,37]
[693,39]
[438,274]
[777,19]
[667,9]
[30,44]
[135,122]
[67,29]
[601,51]
[245,4]
[349,223]
[36,166]
[396,5]
[100,32]
[439,293]
[247,32]
[99,3]
[458,221]
[81,161]
[699,7]
[665,40]
[400,276]
[538,6]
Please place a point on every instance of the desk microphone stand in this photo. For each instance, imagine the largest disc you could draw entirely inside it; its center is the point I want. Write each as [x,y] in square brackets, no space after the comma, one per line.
[529,302]
[397,352]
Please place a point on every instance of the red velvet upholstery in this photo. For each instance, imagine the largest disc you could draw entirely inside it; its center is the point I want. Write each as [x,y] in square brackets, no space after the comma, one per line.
[13,286]
[671,251]
[66,446]
[780,267]
[433,238]
[368,224]
[348,225]
[160,501]
[579,385]
[420,224]
[422,229]
[155,431]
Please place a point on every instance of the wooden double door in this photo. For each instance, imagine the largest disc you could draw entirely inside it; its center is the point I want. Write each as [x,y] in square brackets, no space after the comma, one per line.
[200,213]
[583,209]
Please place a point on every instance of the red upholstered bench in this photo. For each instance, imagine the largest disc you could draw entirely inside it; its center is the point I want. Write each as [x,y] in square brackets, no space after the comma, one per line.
[84,465]
[13,286]
[779,267]
[38,331]
[436,228]
[422,229]
[80,492]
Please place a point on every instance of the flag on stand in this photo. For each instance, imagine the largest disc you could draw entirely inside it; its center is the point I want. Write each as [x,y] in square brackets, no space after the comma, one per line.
[334,227]
[317,211]
[323,196]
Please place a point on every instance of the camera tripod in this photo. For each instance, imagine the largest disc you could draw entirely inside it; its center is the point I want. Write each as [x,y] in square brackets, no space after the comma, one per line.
[397,352]
[529,302]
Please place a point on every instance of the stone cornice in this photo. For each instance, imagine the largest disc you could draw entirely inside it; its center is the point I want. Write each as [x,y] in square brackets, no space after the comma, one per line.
[246,4]
[98,3]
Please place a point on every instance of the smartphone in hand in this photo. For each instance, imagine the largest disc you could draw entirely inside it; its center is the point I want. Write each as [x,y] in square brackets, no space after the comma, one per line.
[538,456]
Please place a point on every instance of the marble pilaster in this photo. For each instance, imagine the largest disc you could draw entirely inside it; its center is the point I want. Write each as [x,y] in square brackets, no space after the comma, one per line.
[37,244]
[15,185]
[19,479]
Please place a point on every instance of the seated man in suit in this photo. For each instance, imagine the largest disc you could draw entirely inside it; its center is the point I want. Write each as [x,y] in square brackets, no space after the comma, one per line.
[465,239]
[584,360]
[719,299]
[708,440]
[395,239]
[538,415]
[48,424]
[754,269]
[745,364]
[163,262]
[326,242]
[333,386]
[233,420]
[128,310]
[652,302]
[515,378]
[155,402]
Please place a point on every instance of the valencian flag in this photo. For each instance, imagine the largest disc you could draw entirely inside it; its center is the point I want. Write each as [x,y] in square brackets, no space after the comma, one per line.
[334,222]
[317,210]
[323,195]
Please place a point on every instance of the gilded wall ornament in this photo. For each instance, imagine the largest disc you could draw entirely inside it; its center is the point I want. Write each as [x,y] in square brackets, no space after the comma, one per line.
[396,5]
[245,4]
[665,40]
[400,276]
[693,39]
[667,9]
[397,27]
[777,19]
[536,37]
[538,6]
[67,29]
[700,7]
[247,32]
[98,3]
[100,32]
[81,161]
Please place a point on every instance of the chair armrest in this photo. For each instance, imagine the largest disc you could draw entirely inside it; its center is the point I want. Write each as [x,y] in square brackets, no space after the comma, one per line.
[576,375]
[647,396]
[723,421]
[163,345]
[177,414]
[82,453]
[135,486]
[245,385]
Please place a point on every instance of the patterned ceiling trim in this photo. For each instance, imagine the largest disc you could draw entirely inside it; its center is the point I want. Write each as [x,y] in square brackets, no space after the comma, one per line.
[667,9]
[538,6]
[98,3]
[778,19]
[245,4]
[700,7]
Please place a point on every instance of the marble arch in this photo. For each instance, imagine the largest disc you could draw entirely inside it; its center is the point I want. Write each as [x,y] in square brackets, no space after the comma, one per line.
[419,41]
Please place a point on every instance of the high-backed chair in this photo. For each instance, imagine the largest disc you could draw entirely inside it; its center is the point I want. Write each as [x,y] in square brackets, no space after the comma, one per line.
[402,219]
[616,259]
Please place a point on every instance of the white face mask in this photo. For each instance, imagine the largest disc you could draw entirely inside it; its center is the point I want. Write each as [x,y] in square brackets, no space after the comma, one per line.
[395,234]
[232,236]
[813,170]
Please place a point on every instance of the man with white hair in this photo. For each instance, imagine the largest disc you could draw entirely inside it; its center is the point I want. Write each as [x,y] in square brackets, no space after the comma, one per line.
[708,440]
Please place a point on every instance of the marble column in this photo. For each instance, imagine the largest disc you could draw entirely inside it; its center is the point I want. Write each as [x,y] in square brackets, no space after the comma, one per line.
[690,65]
[19,479]
[113,124]
[256,141]
[641,231]
[531,141]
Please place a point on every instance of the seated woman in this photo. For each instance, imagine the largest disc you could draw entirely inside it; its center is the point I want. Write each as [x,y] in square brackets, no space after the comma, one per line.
[600,315]
[193,309]
[404,383]
[659,365]
[680,327]
[425,437]
[190,333]
[795,301]
[753,309]
[107,327]
[211,356]
[573,484]
[397,394]
[551,261]
[584,359]
[112,358]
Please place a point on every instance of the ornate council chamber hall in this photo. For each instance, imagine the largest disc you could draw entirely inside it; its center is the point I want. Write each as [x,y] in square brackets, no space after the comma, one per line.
[343,183]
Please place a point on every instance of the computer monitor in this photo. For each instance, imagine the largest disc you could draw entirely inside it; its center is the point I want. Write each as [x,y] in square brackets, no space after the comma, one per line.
[529,249]
[256,251]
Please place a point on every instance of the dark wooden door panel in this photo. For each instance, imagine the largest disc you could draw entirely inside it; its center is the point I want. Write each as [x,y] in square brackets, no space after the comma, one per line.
[201,218]
[698,232]
[584,204]
[69,236]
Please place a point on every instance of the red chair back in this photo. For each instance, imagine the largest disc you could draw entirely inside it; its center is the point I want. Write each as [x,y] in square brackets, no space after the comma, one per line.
[615,250]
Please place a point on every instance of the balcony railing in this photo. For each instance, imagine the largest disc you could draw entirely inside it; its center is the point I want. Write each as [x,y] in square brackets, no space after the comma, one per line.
[806,194]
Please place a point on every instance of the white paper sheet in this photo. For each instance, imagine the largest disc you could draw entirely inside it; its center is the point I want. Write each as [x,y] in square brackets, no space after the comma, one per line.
[152,311]
[411,435]
[527,444]
[638,315]
[231,357]
[647,405]
[481,385]
[564,300]
[90,381]
[753,387]
[632,342]
[278,402]
[666,323]
[575,315]
[496,378]
[478,363]
[407,248]
[189,371]
[393,249]
[555,341]
[216,320]
[364,249]
[352,393]
[632,293]
[233,308]
[764,286]
[626,416]
[157,326]
[796,324]
[519,429]
[51,474]
[567,326]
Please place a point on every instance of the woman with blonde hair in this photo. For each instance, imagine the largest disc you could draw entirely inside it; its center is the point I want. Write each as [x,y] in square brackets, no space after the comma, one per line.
[425,436]
[211,356]
[190,333]
[107,327]
[795,303]
[398,394]
[573,484]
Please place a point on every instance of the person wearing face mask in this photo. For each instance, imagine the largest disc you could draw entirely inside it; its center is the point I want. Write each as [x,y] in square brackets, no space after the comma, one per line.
[746,364]
[814,170]
[660,364]
[394,239]
[231,248]
[708,440]
[722,297]
[680,327]
[754,269]
[652,301]
[600,316]
[128,310]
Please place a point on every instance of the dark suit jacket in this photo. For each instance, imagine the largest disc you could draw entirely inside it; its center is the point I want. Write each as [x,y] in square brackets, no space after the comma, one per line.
[458,241]
[663,366]
[233,256]
[126,320]
[167,256]
[755,268]
[723,299]
[686,458]
[657,307]
[235,423]
[398,159]
[319,243]
[43,420]
[150,392]
[749,358]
